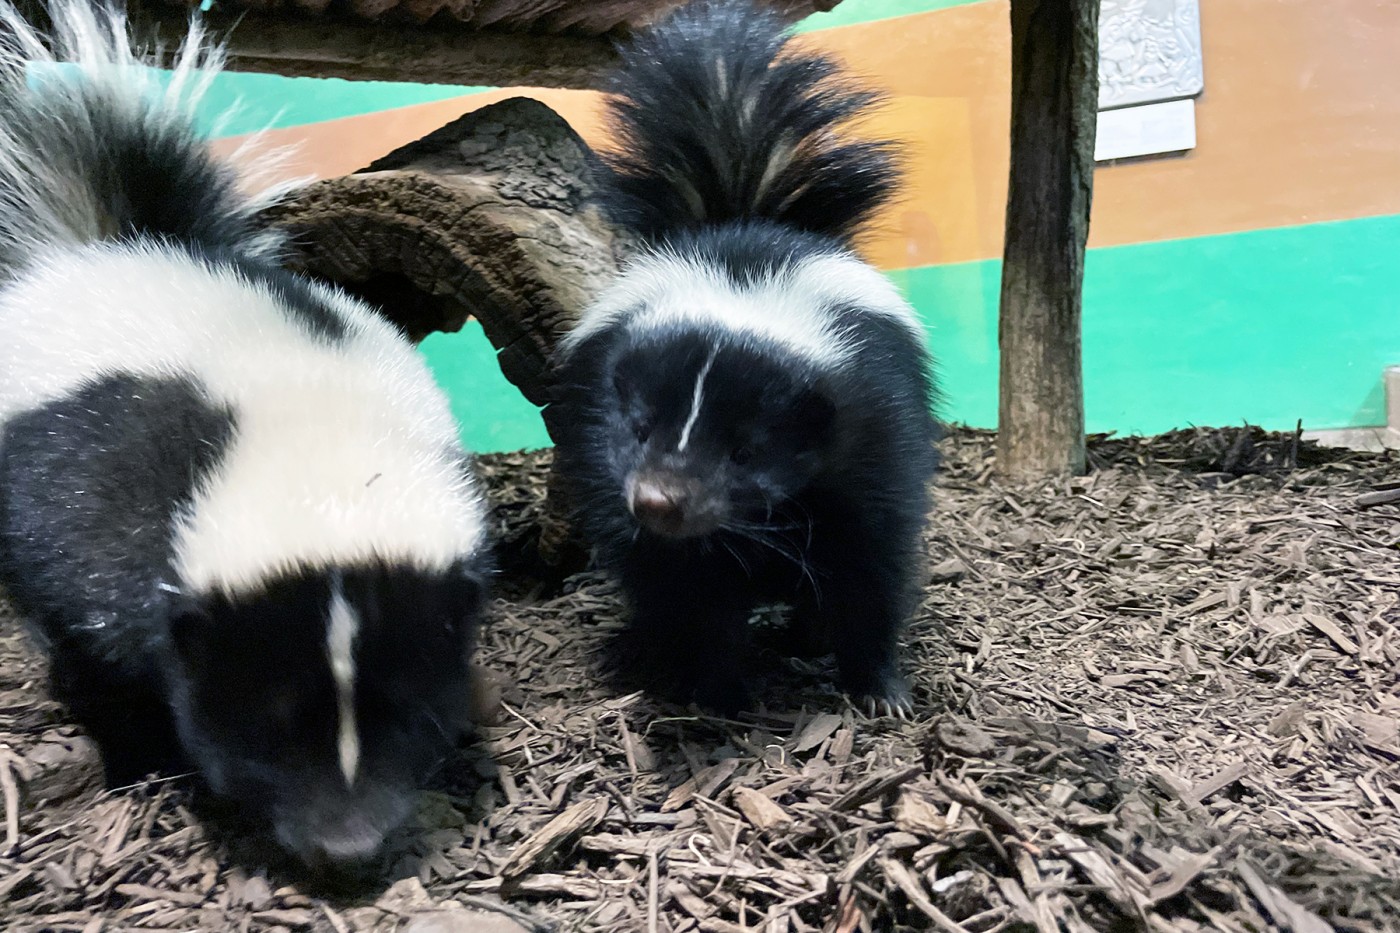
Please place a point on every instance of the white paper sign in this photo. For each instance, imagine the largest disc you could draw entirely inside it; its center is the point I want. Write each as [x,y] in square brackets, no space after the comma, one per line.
[1148,129]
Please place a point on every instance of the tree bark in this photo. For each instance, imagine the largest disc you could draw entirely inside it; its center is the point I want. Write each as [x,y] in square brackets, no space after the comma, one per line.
[1054,109]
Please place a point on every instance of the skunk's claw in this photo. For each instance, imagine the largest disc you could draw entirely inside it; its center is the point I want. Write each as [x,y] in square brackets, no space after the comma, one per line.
[893,700]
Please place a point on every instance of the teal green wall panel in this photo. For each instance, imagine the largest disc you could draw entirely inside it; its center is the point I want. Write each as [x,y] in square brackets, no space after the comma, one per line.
[1267,326]
[493,414]
[240,102]
[249,102]
[958,304]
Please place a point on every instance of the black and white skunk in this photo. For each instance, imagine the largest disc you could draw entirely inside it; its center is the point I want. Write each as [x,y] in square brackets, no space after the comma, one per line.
[746,412]
[233,502]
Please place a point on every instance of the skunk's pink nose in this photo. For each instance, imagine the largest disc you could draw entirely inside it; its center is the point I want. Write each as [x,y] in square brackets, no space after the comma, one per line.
[657,507]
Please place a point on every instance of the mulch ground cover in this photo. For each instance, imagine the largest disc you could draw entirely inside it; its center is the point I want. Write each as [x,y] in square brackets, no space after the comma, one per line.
[1162,696]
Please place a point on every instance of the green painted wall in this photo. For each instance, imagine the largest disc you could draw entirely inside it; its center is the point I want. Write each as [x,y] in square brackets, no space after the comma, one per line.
[1267,327]
[493,414]
[242,102]
[238,103]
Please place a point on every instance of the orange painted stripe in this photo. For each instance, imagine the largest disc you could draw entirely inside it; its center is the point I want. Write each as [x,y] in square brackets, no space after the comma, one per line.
[1300,123]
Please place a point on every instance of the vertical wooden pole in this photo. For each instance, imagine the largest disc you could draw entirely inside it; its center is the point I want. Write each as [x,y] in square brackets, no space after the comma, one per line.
[1054,109]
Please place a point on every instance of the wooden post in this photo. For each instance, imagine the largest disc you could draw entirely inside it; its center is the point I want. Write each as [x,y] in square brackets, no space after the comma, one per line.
[1054,108]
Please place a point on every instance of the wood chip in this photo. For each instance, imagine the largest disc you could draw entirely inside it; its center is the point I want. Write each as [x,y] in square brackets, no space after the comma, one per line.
[1329,628]
[576,821]
[914,813]
[1286,913]
[762,812]
[816,732]
[462,921]
[904,879]
[874,787]
[963,737]
[141,892]
[705,783]
[1219,781]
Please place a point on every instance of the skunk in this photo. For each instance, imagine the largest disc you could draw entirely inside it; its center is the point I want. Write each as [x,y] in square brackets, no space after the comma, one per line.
[233,502]
[745,414]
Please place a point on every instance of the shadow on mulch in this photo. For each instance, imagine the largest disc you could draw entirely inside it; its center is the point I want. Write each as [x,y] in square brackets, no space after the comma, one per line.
[1161,696]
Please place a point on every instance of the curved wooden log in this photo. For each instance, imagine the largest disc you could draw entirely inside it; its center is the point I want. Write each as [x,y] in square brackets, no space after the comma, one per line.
[488,217]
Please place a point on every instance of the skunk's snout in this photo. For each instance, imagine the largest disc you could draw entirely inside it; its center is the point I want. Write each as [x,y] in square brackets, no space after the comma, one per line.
[673,505]
[332,830]
[353,840]
[659,505]
[348,845]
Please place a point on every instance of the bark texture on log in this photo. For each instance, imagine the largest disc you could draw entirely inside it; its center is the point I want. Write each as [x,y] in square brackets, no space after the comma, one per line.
[489,217]
[503,43]
[486,218]
[1054,108]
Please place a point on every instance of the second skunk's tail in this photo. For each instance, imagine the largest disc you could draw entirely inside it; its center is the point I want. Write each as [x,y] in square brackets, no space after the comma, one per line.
[715,120]
[94,146]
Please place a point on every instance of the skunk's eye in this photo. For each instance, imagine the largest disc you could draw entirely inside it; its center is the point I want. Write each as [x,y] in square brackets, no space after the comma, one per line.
[642,430]
[741,455]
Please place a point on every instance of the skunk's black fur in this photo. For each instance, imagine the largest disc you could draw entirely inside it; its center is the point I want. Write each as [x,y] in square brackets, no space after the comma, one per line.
[716,120]
[746,413]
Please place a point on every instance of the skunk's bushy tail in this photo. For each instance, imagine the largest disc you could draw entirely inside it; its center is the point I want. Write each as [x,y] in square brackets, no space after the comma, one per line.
[96,145]
[716,119]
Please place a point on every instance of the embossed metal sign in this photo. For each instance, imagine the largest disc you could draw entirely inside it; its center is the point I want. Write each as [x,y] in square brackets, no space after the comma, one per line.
[1149,51]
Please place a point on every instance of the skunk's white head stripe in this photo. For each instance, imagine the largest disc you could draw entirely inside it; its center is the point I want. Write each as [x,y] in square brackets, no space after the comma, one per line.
[342,628]
[798,305]
[696,401]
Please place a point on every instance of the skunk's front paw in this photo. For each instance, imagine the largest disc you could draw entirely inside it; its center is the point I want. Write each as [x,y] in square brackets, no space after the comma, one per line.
[886,695]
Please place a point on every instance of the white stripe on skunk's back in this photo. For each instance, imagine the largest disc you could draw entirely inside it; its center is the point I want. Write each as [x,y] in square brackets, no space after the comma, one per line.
[345,451]
[795,305]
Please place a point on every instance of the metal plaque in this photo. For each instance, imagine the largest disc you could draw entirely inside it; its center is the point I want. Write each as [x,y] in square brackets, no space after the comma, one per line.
[1149,51]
